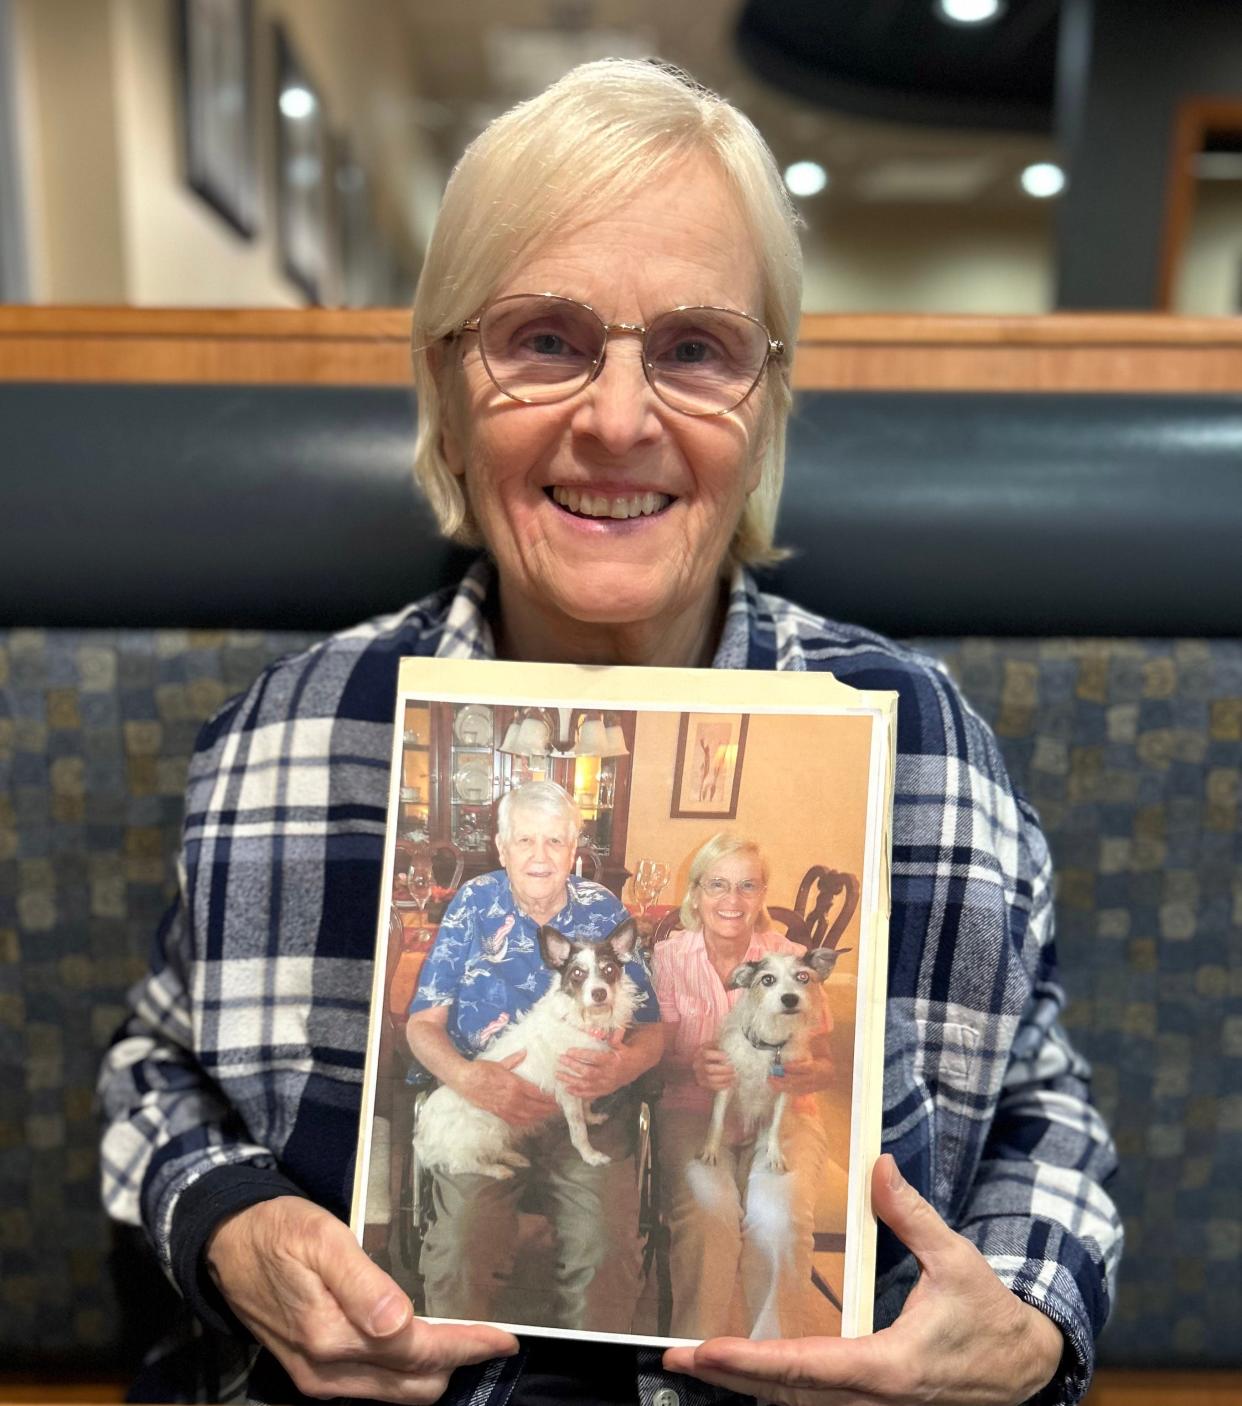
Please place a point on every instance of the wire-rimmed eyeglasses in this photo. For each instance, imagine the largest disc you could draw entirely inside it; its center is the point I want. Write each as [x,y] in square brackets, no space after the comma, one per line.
[718,887]
[539,348]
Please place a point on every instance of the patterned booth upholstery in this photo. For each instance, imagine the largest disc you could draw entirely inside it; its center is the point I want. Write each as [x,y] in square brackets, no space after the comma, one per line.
[1072,558]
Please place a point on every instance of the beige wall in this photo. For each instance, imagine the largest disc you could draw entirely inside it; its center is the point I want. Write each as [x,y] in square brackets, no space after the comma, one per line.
[931,258]
[111,218]
[802,797]
[67,119]
[1209,282]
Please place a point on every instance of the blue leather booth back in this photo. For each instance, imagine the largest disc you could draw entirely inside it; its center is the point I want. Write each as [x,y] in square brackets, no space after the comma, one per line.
[278,507]
[1075,559]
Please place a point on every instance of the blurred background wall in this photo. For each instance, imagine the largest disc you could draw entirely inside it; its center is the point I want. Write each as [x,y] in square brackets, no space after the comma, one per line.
[975,156]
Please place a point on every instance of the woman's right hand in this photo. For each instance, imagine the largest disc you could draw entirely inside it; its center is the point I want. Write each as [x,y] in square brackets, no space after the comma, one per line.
[713,1069]
[491,1084]
[338,1324]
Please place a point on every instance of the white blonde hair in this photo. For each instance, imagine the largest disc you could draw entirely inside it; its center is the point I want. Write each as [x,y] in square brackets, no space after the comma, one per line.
[722,844]
[579,148]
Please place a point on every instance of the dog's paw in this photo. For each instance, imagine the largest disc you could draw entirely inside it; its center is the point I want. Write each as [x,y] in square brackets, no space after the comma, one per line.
[594,1158]
[775,1162]
[595,1119]
[495,1170]
[708,1156]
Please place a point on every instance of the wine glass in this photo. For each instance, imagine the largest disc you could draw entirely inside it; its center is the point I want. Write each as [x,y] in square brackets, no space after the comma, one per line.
[650,880]
[420,881]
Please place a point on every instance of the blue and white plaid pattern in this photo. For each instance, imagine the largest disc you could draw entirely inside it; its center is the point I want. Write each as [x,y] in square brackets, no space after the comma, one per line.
[246,1044]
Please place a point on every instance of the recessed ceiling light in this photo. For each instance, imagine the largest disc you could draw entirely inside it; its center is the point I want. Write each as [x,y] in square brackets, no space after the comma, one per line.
[969,11]
[1043,179]
[805,178]
[296,101]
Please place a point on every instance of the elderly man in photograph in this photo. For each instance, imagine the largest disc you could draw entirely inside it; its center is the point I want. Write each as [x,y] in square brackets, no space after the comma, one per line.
[483,972]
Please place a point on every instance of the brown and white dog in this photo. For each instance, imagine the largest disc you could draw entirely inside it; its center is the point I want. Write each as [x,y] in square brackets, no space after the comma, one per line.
[590,999]
[771,1026]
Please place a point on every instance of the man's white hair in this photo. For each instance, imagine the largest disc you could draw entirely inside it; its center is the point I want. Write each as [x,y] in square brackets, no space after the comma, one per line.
[543,797]
[577,150]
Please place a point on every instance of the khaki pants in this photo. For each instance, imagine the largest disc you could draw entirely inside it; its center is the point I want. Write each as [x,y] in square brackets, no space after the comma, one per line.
[468,1257]
[735,1222]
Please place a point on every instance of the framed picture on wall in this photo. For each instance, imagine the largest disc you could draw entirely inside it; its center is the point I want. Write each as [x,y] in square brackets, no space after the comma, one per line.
[519,952]
[217,107]
[303,198]
[707,772]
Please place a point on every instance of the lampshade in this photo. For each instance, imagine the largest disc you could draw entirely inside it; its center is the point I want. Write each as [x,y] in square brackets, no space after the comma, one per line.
[615,744]
[534,736]
[510,744]
[592,738]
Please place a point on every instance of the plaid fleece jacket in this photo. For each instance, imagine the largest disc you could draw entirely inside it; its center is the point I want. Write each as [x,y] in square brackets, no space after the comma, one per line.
[238,1076]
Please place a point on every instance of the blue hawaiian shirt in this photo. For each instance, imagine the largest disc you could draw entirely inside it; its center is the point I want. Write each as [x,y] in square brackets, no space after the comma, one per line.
[486,966]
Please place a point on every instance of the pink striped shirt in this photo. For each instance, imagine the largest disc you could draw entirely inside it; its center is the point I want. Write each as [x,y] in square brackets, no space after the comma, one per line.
[693,1001]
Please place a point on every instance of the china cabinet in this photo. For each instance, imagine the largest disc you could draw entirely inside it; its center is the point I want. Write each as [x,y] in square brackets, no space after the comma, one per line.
[453,774]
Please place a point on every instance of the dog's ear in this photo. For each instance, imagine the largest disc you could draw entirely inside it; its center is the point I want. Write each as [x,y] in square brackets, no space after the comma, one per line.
[743,975]
[623,938]
[822,960]
[554,947]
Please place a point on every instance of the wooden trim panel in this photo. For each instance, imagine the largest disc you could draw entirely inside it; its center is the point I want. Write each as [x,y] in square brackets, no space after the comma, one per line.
[1115,1387]
[1062,352]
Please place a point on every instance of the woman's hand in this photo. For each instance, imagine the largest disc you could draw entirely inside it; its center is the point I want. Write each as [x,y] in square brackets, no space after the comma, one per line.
[490,1084]
[339,1326]
[803,1076]
[713,1069]
[962,1339]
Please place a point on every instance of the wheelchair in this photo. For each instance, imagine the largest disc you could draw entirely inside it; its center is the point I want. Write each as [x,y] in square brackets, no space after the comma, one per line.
[414,1207]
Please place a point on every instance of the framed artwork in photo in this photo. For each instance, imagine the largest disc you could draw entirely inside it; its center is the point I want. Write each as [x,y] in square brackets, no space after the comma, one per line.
[707,775]
[302,178]
[217,107]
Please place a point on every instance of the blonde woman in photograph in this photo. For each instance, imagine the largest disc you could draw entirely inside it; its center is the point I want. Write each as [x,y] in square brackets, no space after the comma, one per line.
[735,1221]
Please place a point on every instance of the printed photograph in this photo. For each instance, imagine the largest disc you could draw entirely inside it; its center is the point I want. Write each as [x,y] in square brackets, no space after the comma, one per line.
[614,1048]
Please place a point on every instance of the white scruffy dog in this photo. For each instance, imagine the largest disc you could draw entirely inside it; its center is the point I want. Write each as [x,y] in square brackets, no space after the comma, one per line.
[771,1026]
[591,998]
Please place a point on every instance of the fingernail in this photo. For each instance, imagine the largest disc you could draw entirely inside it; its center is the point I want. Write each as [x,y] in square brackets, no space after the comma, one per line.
[895,1179]
[388,1315]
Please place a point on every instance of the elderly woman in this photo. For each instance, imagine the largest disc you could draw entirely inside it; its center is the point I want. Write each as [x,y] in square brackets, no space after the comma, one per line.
[488,945]
[602,333]
[735,1219]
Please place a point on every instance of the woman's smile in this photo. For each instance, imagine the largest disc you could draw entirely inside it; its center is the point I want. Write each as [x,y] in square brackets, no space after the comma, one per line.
[595,502]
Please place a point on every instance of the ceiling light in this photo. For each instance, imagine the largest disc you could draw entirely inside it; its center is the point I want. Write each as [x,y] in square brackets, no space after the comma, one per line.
[805,178]
[297,102]
[1043,179]
[969,11]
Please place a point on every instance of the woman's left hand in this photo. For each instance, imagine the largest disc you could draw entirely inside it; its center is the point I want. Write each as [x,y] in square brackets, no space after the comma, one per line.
[963,1339]
[803,1076]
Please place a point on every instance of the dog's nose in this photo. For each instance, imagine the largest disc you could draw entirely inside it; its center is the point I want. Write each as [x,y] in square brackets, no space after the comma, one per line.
[599,995]
[790,1001]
